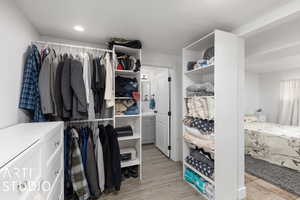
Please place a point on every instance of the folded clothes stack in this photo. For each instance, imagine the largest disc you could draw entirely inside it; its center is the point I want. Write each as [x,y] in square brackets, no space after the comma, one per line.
[208,58]
[204,187]
[124,131]
[201,162]
[127,154]
[205,126]
[126,87]
[201,107]
[127,62]
[207,145]
[196,133]
[127,107]
[204,156]
[202,89]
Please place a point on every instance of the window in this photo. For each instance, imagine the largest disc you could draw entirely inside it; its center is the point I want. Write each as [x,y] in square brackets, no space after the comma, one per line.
[289,113]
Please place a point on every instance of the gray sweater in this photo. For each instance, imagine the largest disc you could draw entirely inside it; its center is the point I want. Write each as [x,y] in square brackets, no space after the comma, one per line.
[46,84]
[66,90]
[80,107]
[73,90]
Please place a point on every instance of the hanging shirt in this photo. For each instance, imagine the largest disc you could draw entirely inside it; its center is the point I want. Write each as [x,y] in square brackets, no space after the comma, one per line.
[79,104]
[46,84]
[79,181]
[66,91]
[91,169]
[91,108]
[99,159]
[98,84]
[53,79]
[30,96]
[57,90]
[86,74]
[108,96]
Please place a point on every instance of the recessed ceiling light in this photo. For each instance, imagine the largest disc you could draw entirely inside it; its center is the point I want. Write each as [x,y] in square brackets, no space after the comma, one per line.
[78,28]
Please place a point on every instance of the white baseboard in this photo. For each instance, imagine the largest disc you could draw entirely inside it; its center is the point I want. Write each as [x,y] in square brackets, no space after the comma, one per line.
[242,193]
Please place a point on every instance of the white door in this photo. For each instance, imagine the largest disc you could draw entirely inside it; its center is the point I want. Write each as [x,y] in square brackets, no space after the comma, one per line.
[162,98]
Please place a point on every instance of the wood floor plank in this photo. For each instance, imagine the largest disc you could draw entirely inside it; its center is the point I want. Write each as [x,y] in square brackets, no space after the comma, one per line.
[162,180]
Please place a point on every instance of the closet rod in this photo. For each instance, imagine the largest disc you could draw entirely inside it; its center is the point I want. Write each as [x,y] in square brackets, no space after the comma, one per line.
[72,46]
[89,120]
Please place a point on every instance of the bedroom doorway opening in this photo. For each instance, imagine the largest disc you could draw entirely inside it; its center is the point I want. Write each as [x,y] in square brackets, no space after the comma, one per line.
[272,113]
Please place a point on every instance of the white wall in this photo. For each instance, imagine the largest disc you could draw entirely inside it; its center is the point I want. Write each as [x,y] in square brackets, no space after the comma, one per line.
[270,91]
[251,98]
[15,36]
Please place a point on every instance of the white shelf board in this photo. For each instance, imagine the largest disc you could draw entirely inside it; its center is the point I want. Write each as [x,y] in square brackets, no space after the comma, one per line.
[199,173]
[200,69]
[130,163]
[126,72]
[127,116]
[194,187]
[126,138]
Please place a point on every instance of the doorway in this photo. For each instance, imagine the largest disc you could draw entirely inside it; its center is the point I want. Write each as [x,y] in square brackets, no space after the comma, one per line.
[156,108]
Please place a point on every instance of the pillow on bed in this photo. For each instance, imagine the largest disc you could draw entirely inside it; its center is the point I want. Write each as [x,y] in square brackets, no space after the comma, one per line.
[250,118]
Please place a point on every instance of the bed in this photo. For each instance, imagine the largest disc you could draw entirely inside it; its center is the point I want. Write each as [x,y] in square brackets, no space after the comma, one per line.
[273,143]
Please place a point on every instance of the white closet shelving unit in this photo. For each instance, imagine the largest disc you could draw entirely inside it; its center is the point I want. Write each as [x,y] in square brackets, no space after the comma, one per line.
[116,120]
[227,75]
[135,121]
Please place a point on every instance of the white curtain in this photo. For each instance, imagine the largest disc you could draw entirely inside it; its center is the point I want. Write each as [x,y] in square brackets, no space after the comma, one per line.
[289,112]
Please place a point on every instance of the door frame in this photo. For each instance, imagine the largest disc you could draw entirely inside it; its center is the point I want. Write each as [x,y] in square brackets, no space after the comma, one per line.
[170,113]
[173,147]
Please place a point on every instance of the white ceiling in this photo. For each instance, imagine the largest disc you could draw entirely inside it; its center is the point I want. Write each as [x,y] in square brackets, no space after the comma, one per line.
[162,25]
[275,49]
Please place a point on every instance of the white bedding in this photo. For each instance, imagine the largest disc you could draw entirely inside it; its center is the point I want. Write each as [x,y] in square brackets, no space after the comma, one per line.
[274,143]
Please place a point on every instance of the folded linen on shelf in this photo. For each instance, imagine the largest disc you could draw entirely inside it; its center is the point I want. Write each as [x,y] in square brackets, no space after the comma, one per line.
[124,131]
[127,62]
[189,176]
[126,107]
[201,107]
[195,132]
[200,166]
[205,126]
[207,145]
[128,154]
[202,89]
[126,86]
[204,187]
[210,191]
[203,156]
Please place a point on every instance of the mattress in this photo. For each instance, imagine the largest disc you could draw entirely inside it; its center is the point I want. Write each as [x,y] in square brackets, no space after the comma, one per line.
[273,143]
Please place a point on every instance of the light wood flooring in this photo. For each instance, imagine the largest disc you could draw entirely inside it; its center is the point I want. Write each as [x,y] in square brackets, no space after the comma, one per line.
[258,189]
[162,180]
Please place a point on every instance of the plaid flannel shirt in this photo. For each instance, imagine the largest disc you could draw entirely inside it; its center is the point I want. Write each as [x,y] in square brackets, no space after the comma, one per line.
[30,96]
[79,181]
